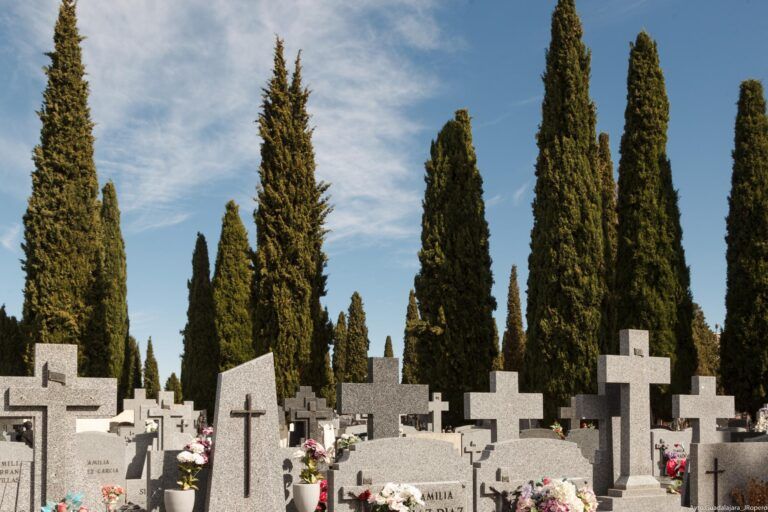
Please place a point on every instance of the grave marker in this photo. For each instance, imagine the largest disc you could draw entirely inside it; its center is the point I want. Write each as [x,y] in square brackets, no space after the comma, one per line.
[436,409]
[165,426]
[314,412]
[16,474]
[703,407]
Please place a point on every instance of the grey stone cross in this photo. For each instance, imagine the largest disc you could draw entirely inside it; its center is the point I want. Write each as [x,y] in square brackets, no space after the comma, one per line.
[703,407]
[135,404]
[505,406]
[569,413]
[315,411]
[634,371]
[165,434]
[436,409]
[383,398]
[248,413]
[299,401]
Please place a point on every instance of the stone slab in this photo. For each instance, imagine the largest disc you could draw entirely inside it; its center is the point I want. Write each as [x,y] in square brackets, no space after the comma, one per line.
[16,473]
[454,439]
[738,461]
[99,460]
[588,441]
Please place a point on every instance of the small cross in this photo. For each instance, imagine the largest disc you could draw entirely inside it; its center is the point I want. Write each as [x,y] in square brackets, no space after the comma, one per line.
[715,472]
[703,407]
[569,413]
[505,406]
[312,415]
[436,409]
[248,413]
[165,436]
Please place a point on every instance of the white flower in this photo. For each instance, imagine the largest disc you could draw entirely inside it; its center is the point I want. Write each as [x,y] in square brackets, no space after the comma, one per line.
[185,457]
[196,448]
[198,459]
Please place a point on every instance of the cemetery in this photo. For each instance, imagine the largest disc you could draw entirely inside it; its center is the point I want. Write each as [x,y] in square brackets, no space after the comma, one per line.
[606,391]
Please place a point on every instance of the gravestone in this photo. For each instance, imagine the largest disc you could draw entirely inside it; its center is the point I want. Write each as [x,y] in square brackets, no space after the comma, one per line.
[634,370]
[436,409]
[505,406]
[473,441]
[54,398]
[588,441]
[291,475]
[16,473]
[539,433]
[703,408]
[99,459]
[135,471]
[140,405]
[452,438]
[443,477]
[506,465]
[569,415]
[167,421]
[670,438]
[383,398]
[715,469]
[245,474]
[315,411]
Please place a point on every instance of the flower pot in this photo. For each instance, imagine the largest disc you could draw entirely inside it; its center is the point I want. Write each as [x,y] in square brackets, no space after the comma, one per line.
[177,500]
[306,496]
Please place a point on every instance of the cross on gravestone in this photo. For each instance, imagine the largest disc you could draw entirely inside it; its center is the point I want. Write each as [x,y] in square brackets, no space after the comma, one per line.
[569,413]
[135,404]
[315,411]
[505,406]
[183,424]
[436,409]
[165,428]
[166,399]
[248,413]
[61,397]
[299,401]
[716,472]
[383,398]
[703,407]
[634,371]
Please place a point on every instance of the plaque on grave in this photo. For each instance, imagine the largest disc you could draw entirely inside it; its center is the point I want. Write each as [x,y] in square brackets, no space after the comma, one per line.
[16,461]
[99,460]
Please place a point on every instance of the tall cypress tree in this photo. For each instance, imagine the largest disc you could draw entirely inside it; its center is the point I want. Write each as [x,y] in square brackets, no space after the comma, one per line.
[62,232]
[173,383]
[232,304]
[112,282]
[513,343]
[11,345]
[137,376]
[652,279]
[410,342]
[151,373]
[609,338]
[200,360]
[340,348]
[707,345]
[743,349]
[356,364]
[131,366]
[388,352]
[455,273]
[328,391]
[289,260]
[565,267]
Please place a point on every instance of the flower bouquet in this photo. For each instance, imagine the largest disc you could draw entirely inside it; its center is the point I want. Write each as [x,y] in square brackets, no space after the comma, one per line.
[675,461]
[150,426]
[110,495]
[550,495]
[345,441]
[322,504]
[557,428]
[192,459]
[307,492]
[72,502]
[393,498]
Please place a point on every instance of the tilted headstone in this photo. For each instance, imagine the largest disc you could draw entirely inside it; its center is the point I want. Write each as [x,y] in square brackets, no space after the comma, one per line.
[443,477]
[246,473]
[436,409]
[16,476]
[634,370]
[506,465]
[703,408]
[55,397]
[504,406]
[99,459]
[383,398]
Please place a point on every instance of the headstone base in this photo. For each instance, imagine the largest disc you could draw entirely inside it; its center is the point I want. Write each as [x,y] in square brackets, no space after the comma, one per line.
[640,500]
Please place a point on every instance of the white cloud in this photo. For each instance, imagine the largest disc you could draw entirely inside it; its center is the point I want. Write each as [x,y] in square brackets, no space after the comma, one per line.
[9,237]
[176,87]
[519,193]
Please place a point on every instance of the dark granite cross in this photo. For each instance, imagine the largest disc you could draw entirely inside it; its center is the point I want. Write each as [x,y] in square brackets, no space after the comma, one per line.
[248,413]
[716,472]
[312,414]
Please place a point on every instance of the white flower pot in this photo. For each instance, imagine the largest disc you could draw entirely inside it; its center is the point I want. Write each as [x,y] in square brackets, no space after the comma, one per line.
[306,496]
[177,500]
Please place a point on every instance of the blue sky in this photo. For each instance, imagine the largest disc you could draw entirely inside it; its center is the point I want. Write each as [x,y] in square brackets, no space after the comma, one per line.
[175,87]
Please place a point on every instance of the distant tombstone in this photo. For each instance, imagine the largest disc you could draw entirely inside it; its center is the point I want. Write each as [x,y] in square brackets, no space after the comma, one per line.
[473,442]
[570,416]
[246,474]
[504,406]
[539,433]
[316,410]
[383,398]
[436,409]
[506,465]
[588,441]
[714,470]
[16,493]
[167,419]
[99,459]
[140,405]
[703,407]
[443,477]
[669,438]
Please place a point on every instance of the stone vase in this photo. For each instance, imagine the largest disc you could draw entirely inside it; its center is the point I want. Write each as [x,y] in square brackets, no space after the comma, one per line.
[306,496]
[177,500]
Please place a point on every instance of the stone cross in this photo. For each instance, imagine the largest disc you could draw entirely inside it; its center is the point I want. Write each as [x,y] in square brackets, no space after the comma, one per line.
[166,399]
[436,409]
[634,370]
[165,434]
[61,397]
[139,399]
[703,407]
[315,411]
[248,413]
[299,401]
[505,406]
[383,398]
[569,413]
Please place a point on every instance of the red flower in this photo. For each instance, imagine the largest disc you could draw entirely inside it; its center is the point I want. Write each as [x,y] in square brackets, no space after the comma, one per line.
[364,495]
[61,507]
[672,468]
[683,462]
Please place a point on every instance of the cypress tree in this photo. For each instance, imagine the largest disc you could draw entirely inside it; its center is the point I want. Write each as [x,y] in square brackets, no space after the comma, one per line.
[328,390]
[707,344]
[113,289]
[565,279]
[231,284]
[609,337]
[62,232]
[356,364]
[289,262]
[200,360]
[128,375]
[11,345]
[340,348]
[513,344]
[137,377]
[743,349]
[151,373]
[455,273]
[652,279]
[388,352]
[410,342]
[173,383]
